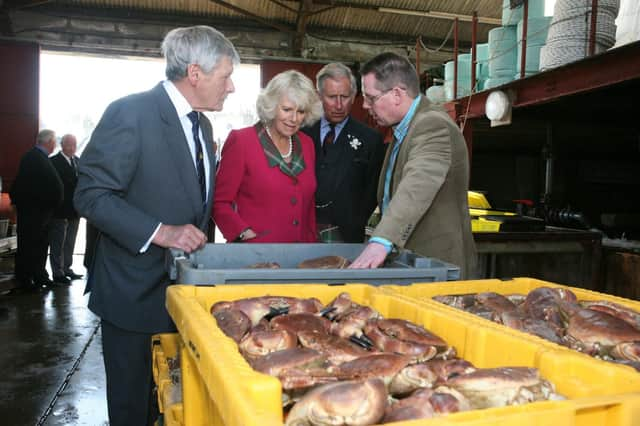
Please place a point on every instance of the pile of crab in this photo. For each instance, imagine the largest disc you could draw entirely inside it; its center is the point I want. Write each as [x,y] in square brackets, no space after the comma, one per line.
[344,364]
[599,328]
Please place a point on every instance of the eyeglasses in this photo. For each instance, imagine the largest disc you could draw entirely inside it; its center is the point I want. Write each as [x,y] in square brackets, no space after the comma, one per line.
[372,99]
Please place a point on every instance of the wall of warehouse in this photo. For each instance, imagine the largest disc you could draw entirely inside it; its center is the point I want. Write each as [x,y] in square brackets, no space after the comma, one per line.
[19,85]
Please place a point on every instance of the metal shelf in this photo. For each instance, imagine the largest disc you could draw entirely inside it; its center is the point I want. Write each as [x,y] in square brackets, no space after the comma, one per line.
[608,69]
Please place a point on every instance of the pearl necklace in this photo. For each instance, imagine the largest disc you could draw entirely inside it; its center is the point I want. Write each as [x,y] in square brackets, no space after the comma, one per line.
[288,154]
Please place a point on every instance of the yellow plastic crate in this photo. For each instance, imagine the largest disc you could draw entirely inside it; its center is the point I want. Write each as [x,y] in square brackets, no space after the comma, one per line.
[477,200]
[220,388]
[166,346]
[424,293]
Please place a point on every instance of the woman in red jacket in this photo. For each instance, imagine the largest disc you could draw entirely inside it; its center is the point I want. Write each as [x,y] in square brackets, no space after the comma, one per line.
[266,183]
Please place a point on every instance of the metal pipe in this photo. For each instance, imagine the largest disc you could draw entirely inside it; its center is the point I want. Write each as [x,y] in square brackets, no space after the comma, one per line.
[592,33]
[439,15]
[525,27]
[474,40]
[548,172]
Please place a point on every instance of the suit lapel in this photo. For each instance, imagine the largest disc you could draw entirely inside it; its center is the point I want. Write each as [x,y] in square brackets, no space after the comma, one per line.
[401,158]
[314,133]
[176,143]
[346,154]
[383,173]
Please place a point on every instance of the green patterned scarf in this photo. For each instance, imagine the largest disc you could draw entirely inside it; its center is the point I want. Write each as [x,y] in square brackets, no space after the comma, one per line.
[292,169]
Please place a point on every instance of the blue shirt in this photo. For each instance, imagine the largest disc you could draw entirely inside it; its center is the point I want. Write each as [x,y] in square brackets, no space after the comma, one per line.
[325,126]
[399,133]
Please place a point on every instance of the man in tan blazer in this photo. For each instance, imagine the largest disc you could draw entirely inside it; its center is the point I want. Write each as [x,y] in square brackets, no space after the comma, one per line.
[424,179]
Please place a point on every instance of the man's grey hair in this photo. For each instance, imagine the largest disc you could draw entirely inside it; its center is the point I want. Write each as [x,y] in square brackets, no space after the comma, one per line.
[297,88]
[392,70]
[66,137]
[44,136]
[335,70]
[201,45]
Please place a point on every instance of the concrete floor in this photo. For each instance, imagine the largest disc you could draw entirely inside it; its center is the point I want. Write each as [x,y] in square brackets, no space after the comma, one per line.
[51,362]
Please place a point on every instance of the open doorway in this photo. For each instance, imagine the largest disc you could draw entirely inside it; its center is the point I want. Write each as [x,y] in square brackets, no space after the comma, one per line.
[75,90]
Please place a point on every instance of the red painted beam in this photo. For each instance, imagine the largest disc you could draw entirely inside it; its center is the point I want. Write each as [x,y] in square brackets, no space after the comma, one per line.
[595,72]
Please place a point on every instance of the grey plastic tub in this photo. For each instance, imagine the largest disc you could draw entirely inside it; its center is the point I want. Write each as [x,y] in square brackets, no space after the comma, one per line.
[227,264]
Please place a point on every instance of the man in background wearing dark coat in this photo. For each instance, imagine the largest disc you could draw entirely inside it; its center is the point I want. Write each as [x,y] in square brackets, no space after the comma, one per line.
[349,156]
[36,193]
[64,225]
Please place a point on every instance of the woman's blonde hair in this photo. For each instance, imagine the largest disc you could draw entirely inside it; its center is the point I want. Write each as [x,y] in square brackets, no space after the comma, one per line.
[297,88]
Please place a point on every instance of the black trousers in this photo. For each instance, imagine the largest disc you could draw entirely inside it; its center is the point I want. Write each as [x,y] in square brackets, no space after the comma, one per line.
[33,242]
[127,361]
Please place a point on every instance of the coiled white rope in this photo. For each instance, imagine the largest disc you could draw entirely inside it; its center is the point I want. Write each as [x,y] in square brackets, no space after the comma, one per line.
[568,37]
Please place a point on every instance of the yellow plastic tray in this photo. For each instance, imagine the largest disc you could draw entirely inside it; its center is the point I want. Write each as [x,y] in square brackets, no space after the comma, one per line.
[424,293]
[219,387]
[477,200]
[166,346]
[484,225]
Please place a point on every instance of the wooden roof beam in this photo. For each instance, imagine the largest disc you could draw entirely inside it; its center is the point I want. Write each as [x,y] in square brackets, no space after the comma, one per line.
[304,12]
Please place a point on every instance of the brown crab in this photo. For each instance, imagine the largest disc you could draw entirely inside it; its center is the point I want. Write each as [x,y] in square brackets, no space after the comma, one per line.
[497,387]
[296,323]
[425,404]
[626,314]
[256,308]
[233,323]
[396,371]
[336,349]
[497,303]
[404,337]
[325,262]
[459,301]
[262,342]
[541,328]
[353,402]
[296,368]
[601,334]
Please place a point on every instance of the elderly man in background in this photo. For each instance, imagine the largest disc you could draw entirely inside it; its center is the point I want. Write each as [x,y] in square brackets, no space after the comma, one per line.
[64,225]
[348,159]
[36,193]
[425,176]
[145,182]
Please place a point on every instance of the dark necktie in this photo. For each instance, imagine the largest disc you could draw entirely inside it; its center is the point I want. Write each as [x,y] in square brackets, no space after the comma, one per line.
[195,128]
[329,137]
[73,166]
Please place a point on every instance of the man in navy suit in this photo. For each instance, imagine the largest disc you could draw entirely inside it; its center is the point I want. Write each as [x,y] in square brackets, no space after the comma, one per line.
[145,182]
[64,225]
[36,193]
[348,159]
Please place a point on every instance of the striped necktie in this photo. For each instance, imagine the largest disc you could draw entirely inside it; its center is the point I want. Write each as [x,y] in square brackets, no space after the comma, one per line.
[329,138]
[195,128]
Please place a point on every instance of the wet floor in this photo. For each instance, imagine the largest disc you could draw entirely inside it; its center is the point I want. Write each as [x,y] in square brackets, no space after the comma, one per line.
[51,362]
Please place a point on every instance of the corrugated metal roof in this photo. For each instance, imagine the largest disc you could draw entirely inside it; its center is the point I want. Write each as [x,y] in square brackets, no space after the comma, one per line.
[361,16]
[262,27]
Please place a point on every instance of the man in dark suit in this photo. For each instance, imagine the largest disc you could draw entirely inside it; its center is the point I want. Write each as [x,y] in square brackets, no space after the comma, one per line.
[145,181]
[36,193]
[348,159]
[64,225]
